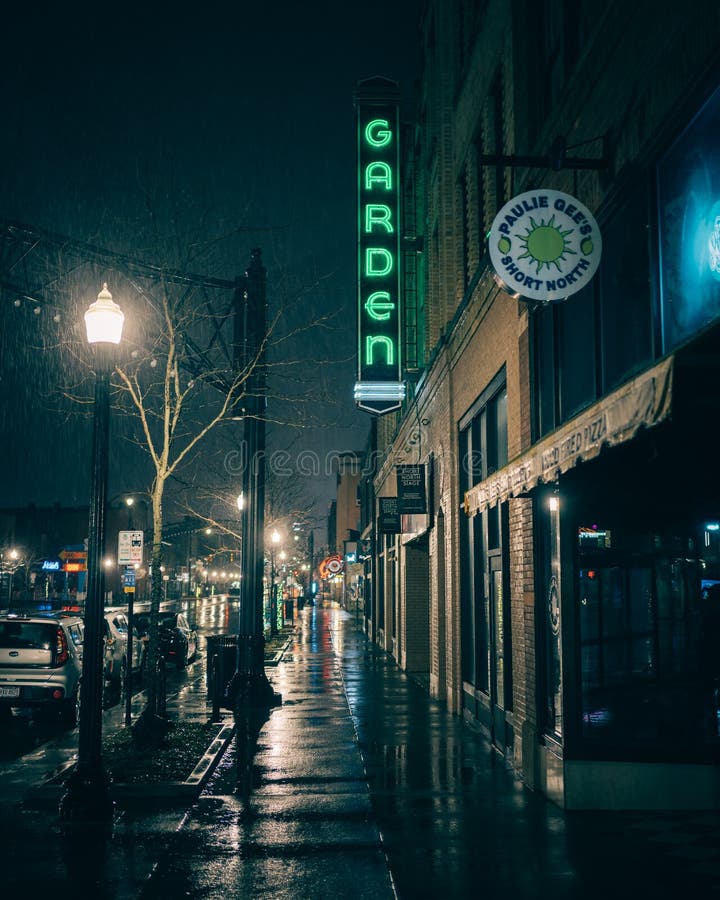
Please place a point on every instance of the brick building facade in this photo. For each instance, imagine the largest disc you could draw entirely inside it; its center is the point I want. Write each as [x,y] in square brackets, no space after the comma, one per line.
[560,591]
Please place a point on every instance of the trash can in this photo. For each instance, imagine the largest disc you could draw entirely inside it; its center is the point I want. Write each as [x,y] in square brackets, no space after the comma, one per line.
[224,646]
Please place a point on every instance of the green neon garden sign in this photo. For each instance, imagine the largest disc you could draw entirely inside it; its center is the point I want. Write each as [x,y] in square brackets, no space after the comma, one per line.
[379,388]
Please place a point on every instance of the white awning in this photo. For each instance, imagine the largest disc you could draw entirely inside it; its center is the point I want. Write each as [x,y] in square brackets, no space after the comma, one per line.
[643,401]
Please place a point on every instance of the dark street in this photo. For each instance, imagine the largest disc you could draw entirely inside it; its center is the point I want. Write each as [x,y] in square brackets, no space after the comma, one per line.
[363,787]
[359,765]
[359,523]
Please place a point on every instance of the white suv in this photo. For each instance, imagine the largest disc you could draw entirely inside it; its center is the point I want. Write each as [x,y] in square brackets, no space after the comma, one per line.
[41,664]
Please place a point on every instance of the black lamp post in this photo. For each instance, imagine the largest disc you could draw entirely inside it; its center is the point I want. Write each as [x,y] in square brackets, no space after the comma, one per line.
[87,799]
[249,686]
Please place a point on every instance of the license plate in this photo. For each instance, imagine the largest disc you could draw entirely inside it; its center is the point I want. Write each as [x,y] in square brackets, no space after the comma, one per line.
[9,691]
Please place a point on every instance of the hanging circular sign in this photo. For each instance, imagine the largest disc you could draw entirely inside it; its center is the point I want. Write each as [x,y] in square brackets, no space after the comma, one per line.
[331,565]
[544,245]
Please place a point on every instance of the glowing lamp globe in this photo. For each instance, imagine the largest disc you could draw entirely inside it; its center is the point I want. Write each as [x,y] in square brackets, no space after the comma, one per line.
[104,320]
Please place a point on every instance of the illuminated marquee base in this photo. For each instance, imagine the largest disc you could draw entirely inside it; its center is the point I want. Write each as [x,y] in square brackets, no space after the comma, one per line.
[379,396]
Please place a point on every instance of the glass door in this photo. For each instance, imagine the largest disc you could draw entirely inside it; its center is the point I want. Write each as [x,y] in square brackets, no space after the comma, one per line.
[500,692]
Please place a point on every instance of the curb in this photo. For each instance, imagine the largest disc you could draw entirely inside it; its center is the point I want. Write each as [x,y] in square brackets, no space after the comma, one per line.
[166,792]
[278,655]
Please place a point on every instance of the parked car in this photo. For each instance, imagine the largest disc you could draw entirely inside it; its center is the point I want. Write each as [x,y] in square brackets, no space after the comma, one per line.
[178,641]
[116,649]
[41,665]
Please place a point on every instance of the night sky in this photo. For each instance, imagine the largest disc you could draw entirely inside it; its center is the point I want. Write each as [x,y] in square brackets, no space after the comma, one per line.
[243,114]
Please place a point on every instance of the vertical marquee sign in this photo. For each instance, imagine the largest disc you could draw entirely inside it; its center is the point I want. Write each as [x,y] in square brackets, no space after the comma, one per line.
[379,388]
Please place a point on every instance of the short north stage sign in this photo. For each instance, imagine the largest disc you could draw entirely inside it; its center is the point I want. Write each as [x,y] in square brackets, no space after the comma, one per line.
[544,245]
[411,489]
[379,388]
[388,515]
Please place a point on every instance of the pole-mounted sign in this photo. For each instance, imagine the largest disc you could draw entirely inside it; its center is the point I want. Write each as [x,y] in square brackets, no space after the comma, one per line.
[130,548]
[379,388]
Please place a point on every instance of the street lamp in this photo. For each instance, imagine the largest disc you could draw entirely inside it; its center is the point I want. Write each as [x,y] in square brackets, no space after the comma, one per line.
[129,501]
[87,799]
[275,540]
[9,569]
[241,538]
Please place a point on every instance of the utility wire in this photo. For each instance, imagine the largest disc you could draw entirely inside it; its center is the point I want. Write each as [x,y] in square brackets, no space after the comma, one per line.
[32,234]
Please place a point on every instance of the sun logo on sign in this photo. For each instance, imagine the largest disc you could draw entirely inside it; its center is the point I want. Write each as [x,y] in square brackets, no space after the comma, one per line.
[545,244]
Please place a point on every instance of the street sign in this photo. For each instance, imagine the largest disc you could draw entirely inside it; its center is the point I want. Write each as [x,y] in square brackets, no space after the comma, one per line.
[130,548]
[73,554]
[129,581]
[351,551]
[331,565]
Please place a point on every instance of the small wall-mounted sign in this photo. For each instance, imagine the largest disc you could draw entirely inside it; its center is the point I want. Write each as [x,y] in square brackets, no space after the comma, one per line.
[331,565]
[411,489]
[388,515]
[544,245]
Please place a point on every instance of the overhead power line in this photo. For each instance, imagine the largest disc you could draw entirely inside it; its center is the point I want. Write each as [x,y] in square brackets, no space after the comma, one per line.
[32,234]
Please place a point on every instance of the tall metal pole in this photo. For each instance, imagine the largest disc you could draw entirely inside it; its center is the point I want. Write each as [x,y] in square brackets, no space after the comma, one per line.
[249,684]
[87,799]
[311,563]
[130,595]
[273,599]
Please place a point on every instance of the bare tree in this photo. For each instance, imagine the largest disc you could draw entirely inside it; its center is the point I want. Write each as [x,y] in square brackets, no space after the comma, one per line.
[180,378]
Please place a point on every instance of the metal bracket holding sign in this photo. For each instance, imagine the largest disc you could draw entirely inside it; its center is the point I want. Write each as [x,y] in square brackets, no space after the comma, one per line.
[130,548]
[557,159]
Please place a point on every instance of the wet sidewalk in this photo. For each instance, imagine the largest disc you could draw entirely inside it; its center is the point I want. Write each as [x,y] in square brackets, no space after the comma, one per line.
[308,830]
[364,787]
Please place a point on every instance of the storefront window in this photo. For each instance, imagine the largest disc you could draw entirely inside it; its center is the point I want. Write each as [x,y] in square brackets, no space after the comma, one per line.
[689,219]
[646,627]
[587,345]
[483,444]
[548,612]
